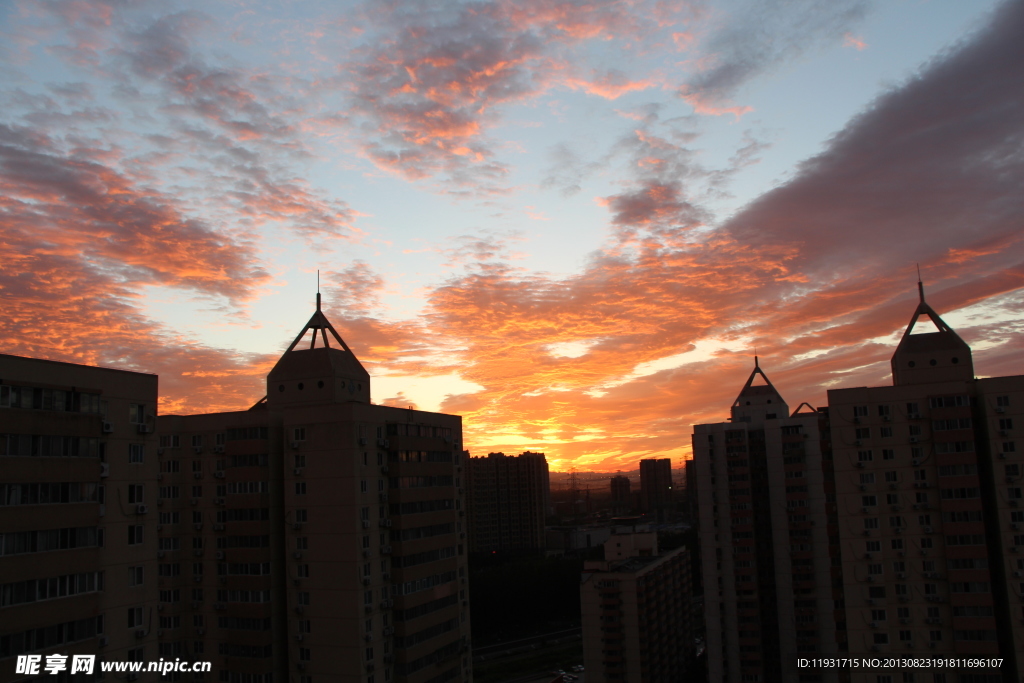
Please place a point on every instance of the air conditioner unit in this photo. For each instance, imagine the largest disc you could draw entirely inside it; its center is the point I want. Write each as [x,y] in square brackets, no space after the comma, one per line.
[383,497]
[863,487]
[384,469]
[198,552]
[197,475]
[103,641]
[200,631]
[298,471]
[928,530]
[914,416]
[160,632]
[160,553]
[388,630]
[385,522]
[108,428]
[856,442]
[296,526]
[141,509]
[874,624]
[386,576]
[159,502]
[856,420]
[218,527]
[160,451]
[300,637]
[1000,409]
[904,621]
[860,464]
[362,441]
[868,556]
[366,524]
[871,578]
[197,526]
[295,444]
[895,508]
[218,606]
[218,501]
[197,449]
[218,449]
[893,487]
[197,578]
[195,501]
[160,607]
[386,549]
[366,552]
[901,575]
[196,604]
[297,555]
[887,418]
[220,554]
[366,580]
[104,469]
[914,439]
[144,429]
[219,474]
[368,609]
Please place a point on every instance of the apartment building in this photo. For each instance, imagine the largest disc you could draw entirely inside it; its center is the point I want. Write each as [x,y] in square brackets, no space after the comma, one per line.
[313,537]
[928,483]
[767,517]
[655,484]
[78,472]
[635,609]
[508,498]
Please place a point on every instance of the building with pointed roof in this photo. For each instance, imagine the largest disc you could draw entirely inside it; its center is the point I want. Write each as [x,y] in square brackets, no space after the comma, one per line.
[928,486]
[345,520]
[766,522]
[314,537]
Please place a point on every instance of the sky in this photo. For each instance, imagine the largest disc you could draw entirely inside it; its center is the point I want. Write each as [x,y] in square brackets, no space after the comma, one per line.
[572,222]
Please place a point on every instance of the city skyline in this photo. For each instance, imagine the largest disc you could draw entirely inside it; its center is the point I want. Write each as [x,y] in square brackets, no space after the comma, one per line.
[571,223]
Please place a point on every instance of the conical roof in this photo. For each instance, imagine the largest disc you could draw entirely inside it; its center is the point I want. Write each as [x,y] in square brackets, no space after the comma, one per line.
[930,357]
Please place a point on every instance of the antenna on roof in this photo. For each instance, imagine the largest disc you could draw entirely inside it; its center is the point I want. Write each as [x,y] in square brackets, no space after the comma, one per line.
[755,358]
[317,289]
[920,285]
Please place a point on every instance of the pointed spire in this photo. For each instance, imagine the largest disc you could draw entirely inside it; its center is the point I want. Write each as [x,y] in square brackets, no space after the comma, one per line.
[920,285]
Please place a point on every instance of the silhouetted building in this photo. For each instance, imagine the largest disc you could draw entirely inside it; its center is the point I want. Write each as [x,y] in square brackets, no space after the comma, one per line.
[928,483]
[313,536]
[763,483]
[78,474]
[655,483]
[635,606]
[620,491]
[507,499]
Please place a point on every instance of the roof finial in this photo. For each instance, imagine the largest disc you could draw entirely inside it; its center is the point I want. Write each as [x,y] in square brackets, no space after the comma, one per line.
[920,285]
[755,358]
[318,289]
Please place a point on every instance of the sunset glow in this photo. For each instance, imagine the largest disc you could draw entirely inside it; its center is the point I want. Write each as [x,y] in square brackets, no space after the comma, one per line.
[569,221]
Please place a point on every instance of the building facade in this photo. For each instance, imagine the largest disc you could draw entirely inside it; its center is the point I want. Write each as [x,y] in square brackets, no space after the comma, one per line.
[655,484]
[928,483]
[78,473]
[313,537]
[635,608]
[766,515]
[508,499]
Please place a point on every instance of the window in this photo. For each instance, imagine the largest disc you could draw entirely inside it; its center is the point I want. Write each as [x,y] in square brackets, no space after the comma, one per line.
[304,654]
[1005,423]
[875,592]
[134,617]
[135,534]
[362,486]
[888,453]
[869,501]
[874,569]
[303,598]
[860,411]
[1012,470]
[899,566]
[920,475]
[873,546]
[885,431]
[870,523]
[883,411]
[300,488]
[891,477]
[881,638]
[926,543]
[136,493]
[921,497]
[1003,401]
[892,499]
[863,432]
[137,413]
[302,571]
[169,441]
[864,456]
[914,430]
[301,516]
[896,544]
[197,441]
[1009,447]
[878,615]
[302,543]
[299,434]
[867,478]
[913,410]
[135,576]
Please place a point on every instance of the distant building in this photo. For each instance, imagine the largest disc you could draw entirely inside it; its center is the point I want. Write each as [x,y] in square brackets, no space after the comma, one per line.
[655,484]
[928,478]
[635,606]
[507,499]
[78,512]
[620,491]
[766,513]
